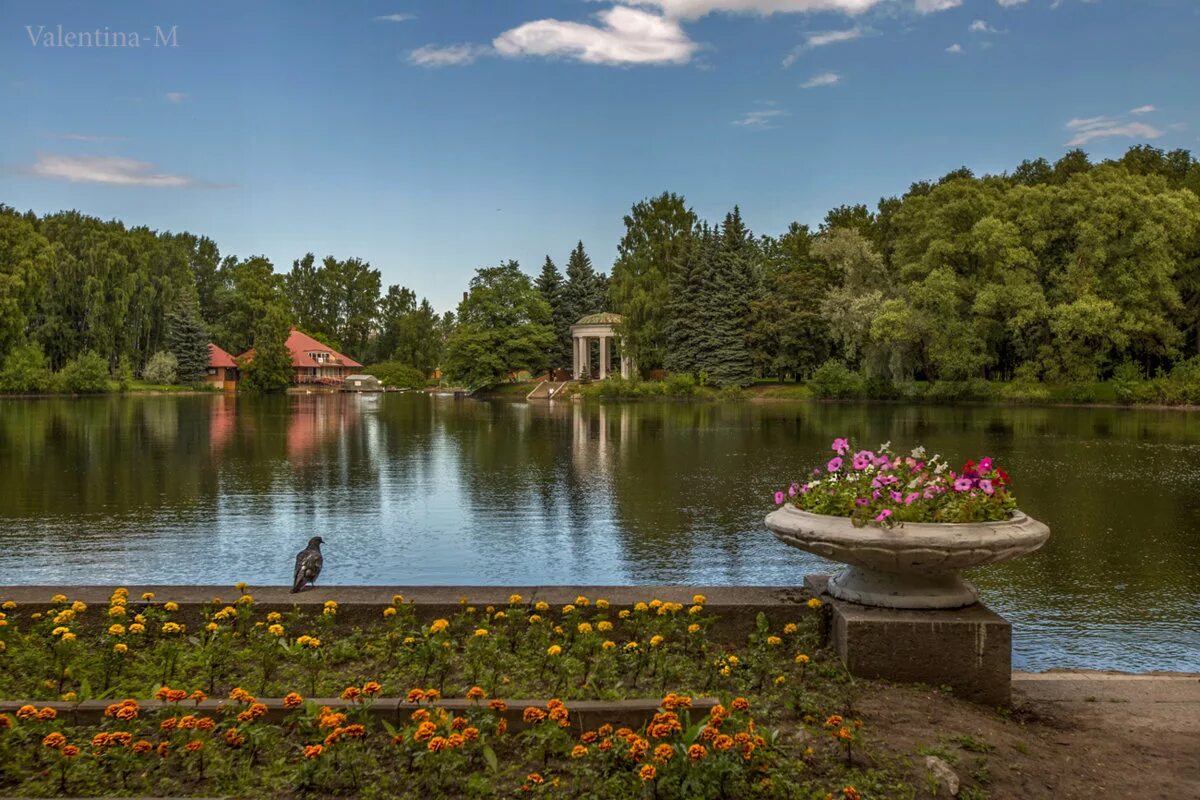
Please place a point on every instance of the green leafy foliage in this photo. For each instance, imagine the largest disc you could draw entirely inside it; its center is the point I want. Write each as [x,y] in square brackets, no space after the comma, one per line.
[395,373]
[25,370]
[270,369]
[85,374]
[162,368]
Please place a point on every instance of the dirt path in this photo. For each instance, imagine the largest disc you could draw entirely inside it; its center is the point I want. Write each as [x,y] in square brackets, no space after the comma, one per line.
[1084,735]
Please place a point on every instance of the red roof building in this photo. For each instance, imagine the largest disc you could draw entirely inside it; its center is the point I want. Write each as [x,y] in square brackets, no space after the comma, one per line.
[313,362]
[221,366]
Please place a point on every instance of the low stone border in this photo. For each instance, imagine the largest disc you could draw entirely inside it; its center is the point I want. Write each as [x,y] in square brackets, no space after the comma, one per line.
[735,607]
[585,714]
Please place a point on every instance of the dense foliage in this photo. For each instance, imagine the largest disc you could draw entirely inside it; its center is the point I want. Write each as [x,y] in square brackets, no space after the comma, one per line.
[398,374]
[1064,273]
[882,488]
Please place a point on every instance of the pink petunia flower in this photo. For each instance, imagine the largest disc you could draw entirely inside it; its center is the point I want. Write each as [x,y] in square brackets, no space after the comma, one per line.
[962,484]
[985,464]
[896,497]
[792,490]
[834,464]
[911,498]
[840,446]
[779,498]
[986,486]
[887,512]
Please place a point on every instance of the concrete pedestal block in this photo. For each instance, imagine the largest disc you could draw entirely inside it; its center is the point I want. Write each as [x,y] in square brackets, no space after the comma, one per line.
[968,649]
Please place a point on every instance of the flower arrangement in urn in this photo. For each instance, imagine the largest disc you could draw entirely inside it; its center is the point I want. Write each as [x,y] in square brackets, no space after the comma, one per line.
[905,525]
[883,488]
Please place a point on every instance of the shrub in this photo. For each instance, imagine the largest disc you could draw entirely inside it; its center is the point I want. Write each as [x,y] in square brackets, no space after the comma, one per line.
[1186,377]
[680,384]
[1022,391]
[833,379]
[25,370]
[1130,385]
[396,373]
[86,373]
[123,373]
[161,368]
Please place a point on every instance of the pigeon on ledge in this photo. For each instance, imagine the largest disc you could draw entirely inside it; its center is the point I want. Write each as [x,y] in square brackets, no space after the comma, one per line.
[308,564]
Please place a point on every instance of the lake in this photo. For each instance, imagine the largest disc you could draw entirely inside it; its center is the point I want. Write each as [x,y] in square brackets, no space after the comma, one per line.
[413,489]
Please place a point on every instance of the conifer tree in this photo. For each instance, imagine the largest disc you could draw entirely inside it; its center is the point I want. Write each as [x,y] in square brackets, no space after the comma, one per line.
[584,293]
[553,290]
[271,368]
[187,339]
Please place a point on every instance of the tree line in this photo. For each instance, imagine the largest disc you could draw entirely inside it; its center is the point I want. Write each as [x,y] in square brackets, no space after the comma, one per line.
[1056,272]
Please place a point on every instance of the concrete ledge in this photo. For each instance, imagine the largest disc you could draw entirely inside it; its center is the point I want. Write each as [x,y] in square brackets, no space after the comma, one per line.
[967,649]
[735,606]
[585,714]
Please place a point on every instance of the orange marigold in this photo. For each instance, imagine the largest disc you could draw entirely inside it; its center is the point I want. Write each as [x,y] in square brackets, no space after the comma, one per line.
[647,772]
[292,700]
[54,740]
[697,751]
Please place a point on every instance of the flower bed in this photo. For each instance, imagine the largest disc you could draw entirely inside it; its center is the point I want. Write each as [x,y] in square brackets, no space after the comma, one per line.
[882,488]
[161,731]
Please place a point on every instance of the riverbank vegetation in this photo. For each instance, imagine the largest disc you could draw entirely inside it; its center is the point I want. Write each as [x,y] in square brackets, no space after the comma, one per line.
[1069,273]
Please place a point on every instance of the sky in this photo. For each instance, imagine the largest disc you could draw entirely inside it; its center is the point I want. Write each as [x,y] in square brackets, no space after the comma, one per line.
[434,137]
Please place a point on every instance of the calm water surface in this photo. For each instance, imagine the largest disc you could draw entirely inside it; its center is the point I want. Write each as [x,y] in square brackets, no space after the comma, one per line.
[430,490]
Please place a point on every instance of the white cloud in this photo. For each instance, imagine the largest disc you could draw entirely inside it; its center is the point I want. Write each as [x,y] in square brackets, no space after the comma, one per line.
[955,48]
[979,26]
[694,9]
[111,170]
[759,119]
[83,137]
[451,55]
[1010,3]
[933,6]
[624,36]
[824,79]
[1089,129]
[175,97]
[395,17]
[1142,109]
[821,39]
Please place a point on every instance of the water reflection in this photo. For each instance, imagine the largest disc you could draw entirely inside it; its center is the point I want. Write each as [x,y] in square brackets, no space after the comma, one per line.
[413,489]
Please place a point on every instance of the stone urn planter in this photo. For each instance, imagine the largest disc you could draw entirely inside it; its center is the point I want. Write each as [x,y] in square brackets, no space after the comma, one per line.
[911,565]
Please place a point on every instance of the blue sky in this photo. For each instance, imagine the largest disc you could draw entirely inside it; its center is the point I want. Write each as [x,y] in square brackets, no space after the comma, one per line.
[432,137]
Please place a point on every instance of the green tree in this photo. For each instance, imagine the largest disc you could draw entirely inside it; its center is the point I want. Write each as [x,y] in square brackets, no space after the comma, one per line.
[554,291]
[658,233]
[25,259]
[270,369]
[188,340]
[504,325]
[87,373]
[161,369]
[248,289]
[25,370]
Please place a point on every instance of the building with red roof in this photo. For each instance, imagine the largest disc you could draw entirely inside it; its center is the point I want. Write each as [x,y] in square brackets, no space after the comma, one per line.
[312,361]
[222,368]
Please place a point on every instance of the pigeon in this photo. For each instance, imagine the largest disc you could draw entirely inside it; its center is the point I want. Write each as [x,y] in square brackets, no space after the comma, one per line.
[308,564]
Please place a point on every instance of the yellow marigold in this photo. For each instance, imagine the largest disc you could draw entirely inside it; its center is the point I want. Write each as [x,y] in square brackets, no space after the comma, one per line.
[584,627]
[602,603]
[568,608]
[500,615]
[534,619]
[481,633]
[623,613]
[241,586]
[120,648]
[790,628]
[604,626]
[116,630]
[172,627]
[275,630]
[631,646]
[36,615]
[558,631]
[802,659]
[139,618]
[814,602]
[774,641]
[609,644]
[541,605]
[147,596]
[695,610]
[68,637]
[581,601]
[79,606]
[331,604]
[171,606]
[780,680]
[64,616]
[656,640]
[693,628]
[329,612]
[59,631]
[390,611]
[137,627]
[8,605]
[553,650]
[58,598]
[641,607]
[117,611]
[212,627]
[69,697]
[409,640]
[244,600]
[515,599]
[655,603]
[734,660]
[439,625]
